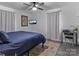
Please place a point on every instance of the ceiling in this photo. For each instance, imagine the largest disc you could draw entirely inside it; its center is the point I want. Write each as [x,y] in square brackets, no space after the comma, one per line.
[21,6]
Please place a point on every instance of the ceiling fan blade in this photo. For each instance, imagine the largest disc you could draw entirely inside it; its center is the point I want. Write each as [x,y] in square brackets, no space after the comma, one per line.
[41,4]
[26,4]
[30,9]
[40,8]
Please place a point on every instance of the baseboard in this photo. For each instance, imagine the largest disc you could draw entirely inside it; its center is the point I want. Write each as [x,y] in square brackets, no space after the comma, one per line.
[59,41]
[53,40]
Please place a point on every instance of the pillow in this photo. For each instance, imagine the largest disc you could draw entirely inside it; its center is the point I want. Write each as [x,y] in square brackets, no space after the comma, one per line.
[4,38]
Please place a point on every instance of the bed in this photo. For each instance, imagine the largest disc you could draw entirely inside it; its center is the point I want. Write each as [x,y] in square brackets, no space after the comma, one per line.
[21,42]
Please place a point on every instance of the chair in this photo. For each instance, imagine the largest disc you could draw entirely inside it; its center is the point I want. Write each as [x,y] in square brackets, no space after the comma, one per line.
[69,36]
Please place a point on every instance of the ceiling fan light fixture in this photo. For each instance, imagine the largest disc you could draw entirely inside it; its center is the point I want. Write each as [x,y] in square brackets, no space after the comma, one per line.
[36,5]
[34,8]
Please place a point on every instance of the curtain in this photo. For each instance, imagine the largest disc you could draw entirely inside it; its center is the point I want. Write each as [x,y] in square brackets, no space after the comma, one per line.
[0,22]
[53,25]
[7,21]
[57,26]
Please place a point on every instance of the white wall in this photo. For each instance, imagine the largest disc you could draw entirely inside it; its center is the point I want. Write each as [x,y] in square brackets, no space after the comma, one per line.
[41,25]
[70,15]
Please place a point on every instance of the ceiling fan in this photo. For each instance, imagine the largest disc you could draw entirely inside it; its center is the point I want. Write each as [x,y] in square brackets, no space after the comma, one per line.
[35,5]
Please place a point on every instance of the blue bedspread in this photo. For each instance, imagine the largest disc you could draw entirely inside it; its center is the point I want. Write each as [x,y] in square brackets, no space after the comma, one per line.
[21,41]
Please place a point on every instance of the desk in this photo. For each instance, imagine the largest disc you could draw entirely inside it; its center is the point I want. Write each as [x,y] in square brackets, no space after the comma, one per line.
[74,32]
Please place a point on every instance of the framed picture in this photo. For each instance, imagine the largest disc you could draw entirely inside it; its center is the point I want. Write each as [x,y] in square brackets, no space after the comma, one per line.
[24,20]
[33,21]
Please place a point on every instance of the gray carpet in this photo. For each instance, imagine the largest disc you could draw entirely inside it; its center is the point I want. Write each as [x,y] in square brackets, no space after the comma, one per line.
[67,49]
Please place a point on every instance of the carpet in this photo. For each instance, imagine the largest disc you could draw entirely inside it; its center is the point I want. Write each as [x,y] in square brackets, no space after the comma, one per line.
[68,50]
[49,49]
